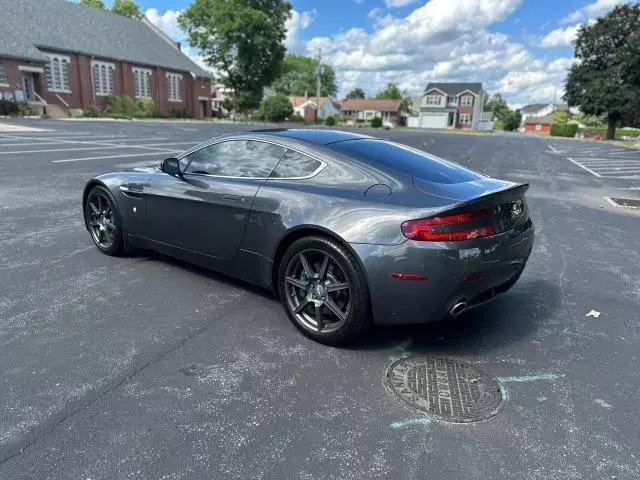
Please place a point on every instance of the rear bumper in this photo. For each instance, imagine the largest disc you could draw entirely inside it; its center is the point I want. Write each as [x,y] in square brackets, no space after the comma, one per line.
[473,272]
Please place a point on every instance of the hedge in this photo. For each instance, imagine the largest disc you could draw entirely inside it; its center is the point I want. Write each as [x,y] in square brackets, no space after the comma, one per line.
[564,130]
[376,122]
[593,131]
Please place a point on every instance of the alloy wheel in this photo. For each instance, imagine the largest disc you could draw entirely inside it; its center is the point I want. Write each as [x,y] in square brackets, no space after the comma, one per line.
[317,291]
[101,219]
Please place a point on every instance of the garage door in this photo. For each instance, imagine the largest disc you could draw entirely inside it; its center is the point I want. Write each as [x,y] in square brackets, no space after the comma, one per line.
[433,120]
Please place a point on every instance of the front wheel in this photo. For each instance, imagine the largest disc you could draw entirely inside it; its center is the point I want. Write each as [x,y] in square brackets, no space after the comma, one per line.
[103,221]
[323,290]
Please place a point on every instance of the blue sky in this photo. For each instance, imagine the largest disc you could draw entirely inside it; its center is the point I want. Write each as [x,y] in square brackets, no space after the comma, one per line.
[521,48]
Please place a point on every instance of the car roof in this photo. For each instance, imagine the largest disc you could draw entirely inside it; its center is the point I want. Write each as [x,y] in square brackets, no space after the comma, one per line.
[312,135]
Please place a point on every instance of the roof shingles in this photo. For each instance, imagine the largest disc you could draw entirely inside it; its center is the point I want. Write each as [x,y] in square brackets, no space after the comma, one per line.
[28,27]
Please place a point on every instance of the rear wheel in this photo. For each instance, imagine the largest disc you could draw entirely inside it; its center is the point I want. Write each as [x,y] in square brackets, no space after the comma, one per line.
[103,221]
[323,290]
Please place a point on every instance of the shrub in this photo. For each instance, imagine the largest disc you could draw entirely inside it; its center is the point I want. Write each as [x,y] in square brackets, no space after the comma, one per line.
[376,122]
[8,108]
[146,107]
[330,121]
[92,112]
[179,113]
[75,112]
[564,130]
[276,108]
[296,118]
[24,109]
[114,104]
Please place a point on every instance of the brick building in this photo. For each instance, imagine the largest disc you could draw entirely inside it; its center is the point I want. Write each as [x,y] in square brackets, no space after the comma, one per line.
[64,55]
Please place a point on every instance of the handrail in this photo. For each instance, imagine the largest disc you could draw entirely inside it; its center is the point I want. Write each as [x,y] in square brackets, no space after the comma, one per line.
[40,99]
[63,101]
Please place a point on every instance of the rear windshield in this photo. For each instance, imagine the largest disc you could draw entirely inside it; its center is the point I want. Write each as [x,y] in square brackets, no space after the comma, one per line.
[406,159]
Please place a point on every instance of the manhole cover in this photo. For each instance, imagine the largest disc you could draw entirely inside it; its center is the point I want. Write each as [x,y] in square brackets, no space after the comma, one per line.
[624,202]
[448,389]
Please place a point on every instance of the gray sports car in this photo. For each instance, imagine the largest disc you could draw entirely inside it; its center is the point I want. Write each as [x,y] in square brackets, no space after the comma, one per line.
[346,229]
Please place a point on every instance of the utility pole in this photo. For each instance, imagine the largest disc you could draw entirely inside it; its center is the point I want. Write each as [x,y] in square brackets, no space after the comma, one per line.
[319,72]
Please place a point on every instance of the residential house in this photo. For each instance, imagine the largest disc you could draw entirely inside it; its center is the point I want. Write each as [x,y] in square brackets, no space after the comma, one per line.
[544,109]
[219,94]
[451,105]
[538,124]
[306,107]
[59,54]
[354,110]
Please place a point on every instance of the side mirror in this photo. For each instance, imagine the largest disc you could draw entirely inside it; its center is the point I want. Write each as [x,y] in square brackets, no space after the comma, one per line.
[171,167]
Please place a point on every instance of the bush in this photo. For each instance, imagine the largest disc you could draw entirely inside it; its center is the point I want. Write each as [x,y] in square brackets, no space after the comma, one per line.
[276,108]
[92,112]
[8,108]
[296,118]
[114,104]
[564,130]
[75,112]
[330,121]
[376,122]
[146,107]
[179,113]
[126,106]
[25,110]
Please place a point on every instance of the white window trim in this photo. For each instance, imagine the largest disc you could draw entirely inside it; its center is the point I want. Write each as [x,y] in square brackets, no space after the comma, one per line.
[4,72]
[108,65]
[179,76]
[434,97]
[466,101]
[139,70]
[465,115]
[51,56]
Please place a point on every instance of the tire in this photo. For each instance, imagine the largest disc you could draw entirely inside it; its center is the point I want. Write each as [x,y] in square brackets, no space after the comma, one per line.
[343,311]
[111,217]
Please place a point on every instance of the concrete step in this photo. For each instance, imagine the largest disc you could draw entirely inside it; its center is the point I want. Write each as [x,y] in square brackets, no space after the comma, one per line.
[56,111]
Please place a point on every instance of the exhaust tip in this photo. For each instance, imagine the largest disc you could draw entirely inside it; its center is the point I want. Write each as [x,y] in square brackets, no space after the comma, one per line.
[458,308]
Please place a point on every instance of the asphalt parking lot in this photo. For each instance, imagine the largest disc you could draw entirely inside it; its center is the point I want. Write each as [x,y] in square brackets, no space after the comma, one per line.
[97,353]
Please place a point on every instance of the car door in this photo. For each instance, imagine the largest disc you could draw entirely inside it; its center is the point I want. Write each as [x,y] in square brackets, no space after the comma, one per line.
[206,211]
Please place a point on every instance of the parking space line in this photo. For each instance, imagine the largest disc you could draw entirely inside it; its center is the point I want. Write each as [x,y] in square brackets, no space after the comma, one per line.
[583,167]
[57,140]
[98,146]
[67,160]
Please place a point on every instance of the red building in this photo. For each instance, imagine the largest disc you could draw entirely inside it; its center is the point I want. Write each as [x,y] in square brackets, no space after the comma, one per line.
[538,124]
[65,55]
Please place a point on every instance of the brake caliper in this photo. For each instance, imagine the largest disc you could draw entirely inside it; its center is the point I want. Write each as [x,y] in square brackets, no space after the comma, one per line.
[303,278]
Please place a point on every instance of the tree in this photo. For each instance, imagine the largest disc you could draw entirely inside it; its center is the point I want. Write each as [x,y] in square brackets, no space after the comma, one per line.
[498,106]
[392,92]
[605,79]
[241,39]
[512,121]
[299,77]
[356,93]
[126,8]
[276,108]
[93,4]
[560,116]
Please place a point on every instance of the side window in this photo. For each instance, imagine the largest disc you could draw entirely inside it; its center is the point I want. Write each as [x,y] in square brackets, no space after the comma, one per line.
[235,158]
[295,165]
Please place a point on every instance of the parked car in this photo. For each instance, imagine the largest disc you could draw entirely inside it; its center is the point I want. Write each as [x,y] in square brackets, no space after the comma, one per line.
[345,229]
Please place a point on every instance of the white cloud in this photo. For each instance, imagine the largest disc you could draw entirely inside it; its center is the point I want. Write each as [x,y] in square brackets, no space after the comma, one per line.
[573,17]
[167,22]
[601,7]
[560,37]
[359,1]
[442,40]
[296,22]
[592,11]
[398,3]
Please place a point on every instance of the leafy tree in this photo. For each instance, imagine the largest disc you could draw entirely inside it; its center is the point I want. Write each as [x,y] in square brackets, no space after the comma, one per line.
[276,108]
[356,93]
[126,8]
[606,77]
[299,76]
[498,106]
[242,39]
[392,92]
[93,4]
[512,121]
[560,116]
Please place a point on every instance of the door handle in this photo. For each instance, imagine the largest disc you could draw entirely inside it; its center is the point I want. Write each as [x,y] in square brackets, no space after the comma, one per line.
[232,198]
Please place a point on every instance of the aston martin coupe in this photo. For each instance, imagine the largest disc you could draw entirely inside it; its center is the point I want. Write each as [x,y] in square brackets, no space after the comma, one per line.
[345,229]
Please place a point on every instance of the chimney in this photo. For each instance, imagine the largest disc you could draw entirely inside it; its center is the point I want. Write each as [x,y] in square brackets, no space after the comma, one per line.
[306,95]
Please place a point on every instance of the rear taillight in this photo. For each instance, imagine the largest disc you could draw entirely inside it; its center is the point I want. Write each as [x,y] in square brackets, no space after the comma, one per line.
[447,228]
